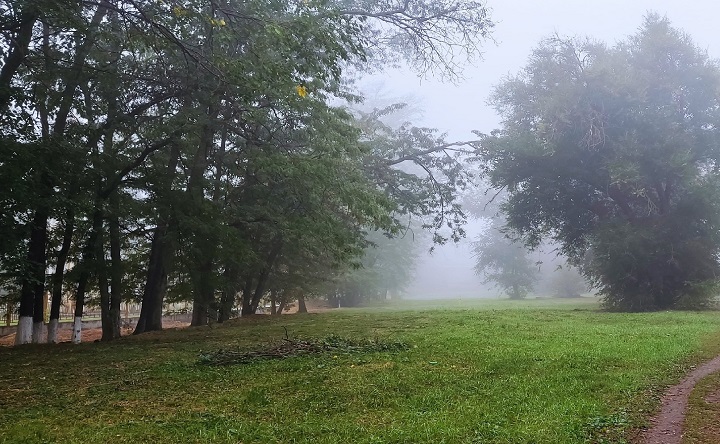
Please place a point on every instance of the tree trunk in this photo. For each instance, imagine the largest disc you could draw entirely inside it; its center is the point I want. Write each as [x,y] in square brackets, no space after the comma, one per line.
[79,307]
[227,302]
[156,282]
[259,290]
[273,298]
[247,298]
[110,299]
[116,274]
[33,280]
[162,251]
[39,314]
[265,274]
[204,293]
[105,320]
[17,53]
[281,307]
[58,276]
[87,261]
[302,308]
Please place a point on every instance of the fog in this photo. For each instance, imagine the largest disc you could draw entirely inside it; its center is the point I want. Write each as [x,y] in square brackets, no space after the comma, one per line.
[460,108]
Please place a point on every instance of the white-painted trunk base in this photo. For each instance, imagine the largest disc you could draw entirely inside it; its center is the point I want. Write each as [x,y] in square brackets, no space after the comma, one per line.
[38,335]
[24,330]
[77,330]
[52,331]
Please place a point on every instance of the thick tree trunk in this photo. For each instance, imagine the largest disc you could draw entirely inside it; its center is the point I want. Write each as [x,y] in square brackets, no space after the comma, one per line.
[58,276]
[273,300]
[52,331]
[259,290]
[302,308]
[227,302]
[77,329]
[202,275]
[33,280]
[23,334]
[156,283]
[204,294]
[281,307]
[264,275]
[39,314]
[247,298]
[162,251]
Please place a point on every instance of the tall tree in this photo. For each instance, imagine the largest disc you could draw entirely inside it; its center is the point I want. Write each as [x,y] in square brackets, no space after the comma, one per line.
[504,262]
[613,153]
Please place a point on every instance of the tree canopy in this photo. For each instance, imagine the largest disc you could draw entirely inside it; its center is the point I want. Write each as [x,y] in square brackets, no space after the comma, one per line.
[504,262]
[613,153]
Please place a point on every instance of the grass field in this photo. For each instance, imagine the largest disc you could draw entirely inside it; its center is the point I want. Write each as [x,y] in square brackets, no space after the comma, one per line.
[536,371]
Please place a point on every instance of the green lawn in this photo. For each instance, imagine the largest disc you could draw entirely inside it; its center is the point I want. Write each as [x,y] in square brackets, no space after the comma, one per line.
[536,371]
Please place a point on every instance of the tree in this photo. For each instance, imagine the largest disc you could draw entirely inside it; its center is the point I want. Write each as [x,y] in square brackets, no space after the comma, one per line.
[212,129]
[613,153]
[430,36]
[566,282]
[504,262]
[384,270]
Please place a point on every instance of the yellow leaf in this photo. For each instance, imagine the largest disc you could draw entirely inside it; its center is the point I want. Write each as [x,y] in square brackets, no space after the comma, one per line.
[301,90]
[179,12]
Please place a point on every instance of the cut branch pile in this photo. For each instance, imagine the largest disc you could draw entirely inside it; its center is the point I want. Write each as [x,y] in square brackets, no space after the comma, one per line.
[288,348]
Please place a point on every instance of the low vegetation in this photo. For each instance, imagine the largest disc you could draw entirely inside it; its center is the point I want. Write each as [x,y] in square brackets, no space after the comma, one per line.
[476,372]
[702,422]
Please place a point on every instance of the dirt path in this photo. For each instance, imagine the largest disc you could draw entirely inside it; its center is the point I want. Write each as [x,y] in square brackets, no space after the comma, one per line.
[88,334]
[667,425]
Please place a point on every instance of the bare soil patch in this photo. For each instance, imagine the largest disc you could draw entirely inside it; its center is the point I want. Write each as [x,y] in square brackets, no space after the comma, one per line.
[667,426]
[90,334]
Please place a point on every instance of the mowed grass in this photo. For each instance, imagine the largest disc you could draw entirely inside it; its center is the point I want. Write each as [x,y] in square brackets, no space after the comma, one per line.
[478,372]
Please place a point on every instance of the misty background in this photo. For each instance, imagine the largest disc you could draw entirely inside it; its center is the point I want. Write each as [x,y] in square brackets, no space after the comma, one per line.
[459,108]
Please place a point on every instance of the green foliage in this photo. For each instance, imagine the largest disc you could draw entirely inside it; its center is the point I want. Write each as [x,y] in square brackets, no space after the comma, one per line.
[567,282]
[384,270]
[418,169]
[612,153]
[504,262]
[205,130]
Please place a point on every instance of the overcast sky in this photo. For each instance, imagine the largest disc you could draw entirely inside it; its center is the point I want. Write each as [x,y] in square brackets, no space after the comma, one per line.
[520,25]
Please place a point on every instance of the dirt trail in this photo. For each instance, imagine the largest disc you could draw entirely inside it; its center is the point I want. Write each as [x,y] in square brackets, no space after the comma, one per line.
[667,425]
